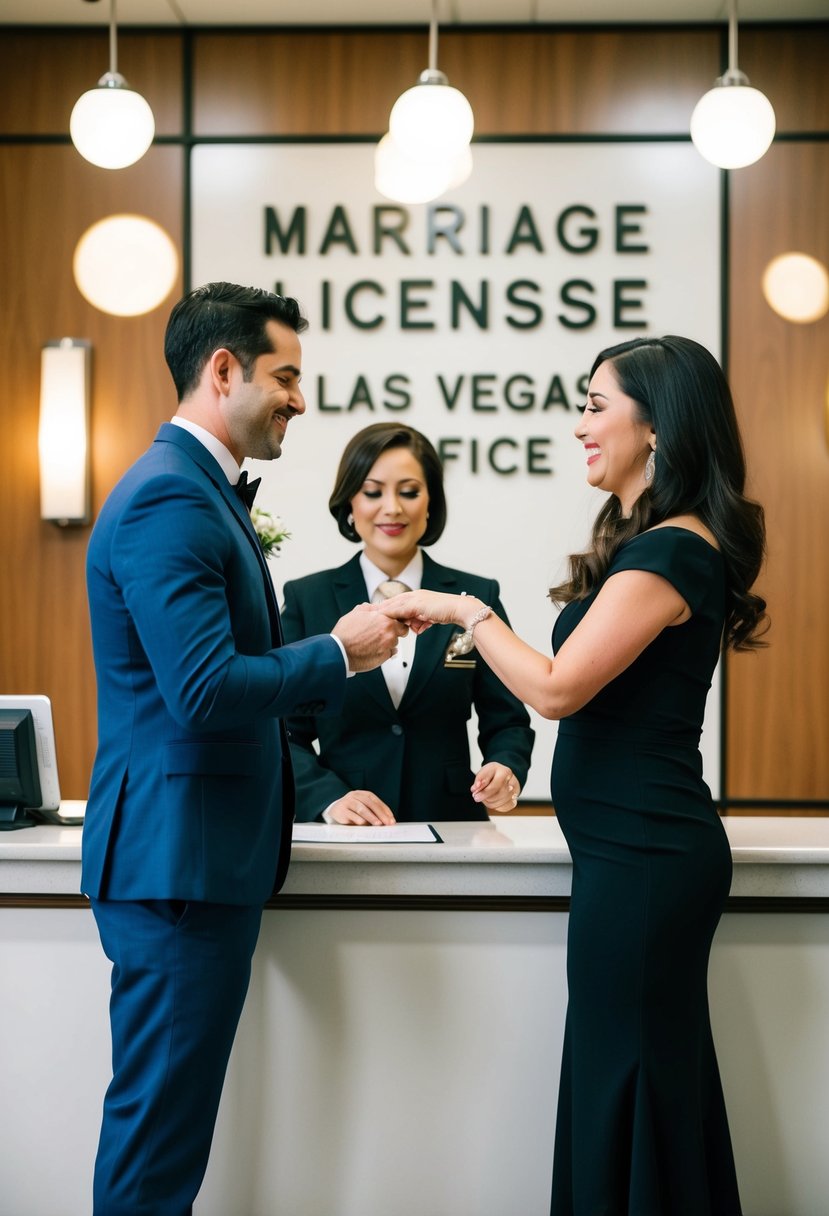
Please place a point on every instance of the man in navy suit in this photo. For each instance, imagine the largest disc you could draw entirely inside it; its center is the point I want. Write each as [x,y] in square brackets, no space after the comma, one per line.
[188,822]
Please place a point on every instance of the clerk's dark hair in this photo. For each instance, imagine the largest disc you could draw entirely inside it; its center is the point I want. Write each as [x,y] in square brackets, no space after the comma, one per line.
[680,391]
[223,315]
[359,457]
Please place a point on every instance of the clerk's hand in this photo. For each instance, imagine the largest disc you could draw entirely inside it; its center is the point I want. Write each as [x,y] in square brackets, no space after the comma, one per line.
[361,808]
[497,787]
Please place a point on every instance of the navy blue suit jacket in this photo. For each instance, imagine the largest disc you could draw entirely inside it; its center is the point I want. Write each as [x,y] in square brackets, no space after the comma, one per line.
[192,793]
[415,757]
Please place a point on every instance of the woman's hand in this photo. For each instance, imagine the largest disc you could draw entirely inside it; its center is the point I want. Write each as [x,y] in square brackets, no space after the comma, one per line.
[497,787]
[361,808]
[420,609]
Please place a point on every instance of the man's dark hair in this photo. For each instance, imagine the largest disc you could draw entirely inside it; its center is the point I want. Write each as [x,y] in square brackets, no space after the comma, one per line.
[223,315]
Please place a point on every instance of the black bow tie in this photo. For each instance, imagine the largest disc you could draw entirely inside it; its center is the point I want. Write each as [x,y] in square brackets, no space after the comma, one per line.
[247,489]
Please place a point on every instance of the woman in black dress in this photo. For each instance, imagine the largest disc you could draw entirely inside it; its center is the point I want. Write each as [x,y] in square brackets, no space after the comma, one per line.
[665,585]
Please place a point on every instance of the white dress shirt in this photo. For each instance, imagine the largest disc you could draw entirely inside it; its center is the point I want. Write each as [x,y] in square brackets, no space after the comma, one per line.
[397,669]
[215,447]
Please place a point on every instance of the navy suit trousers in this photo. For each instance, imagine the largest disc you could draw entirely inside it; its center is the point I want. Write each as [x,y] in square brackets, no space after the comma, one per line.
[180,973]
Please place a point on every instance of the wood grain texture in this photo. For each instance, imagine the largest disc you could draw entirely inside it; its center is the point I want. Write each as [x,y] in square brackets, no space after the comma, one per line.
[778,701]
[534,82]
[334,83]
[44,74]
[44,631]
[791,71]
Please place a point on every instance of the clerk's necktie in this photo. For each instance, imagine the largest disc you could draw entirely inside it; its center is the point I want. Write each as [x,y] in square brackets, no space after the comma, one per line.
[247,489]
[392,586]
[396,669]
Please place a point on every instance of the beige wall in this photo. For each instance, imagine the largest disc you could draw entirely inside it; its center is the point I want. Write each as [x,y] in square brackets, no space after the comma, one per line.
[327,83]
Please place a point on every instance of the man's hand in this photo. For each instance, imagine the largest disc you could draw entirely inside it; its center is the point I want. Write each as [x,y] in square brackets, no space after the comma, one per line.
[369,637]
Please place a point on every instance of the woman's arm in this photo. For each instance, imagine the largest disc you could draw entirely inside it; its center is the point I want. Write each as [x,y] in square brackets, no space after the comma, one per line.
[632,608]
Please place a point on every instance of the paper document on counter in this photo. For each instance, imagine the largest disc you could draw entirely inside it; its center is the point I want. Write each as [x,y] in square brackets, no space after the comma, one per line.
[341,833]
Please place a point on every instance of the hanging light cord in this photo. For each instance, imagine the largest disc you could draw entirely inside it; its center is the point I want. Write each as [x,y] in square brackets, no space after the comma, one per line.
[432,74]
[113,44]
[732,37]
[733,75]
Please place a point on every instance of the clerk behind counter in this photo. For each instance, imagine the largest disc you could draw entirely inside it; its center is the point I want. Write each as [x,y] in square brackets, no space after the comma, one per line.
[399,750]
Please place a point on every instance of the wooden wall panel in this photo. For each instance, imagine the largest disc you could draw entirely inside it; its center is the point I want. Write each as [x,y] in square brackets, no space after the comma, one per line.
[335,83]
[49,197]
[778,701]
[299,83]
[791,70]
[45,72]
[579,82]
[328,82]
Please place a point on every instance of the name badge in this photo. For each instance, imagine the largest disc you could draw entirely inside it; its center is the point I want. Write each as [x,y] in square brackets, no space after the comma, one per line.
[450,659]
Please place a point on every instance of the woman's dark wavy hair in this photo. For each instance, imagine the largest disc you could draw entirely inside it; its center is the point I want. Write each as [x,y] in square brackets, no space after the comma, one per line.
[358,458]
[682,394]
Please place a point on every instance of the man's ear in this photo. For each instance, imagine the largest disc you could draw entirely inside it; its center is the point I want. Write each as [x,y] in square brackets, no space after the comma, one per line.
[221,364]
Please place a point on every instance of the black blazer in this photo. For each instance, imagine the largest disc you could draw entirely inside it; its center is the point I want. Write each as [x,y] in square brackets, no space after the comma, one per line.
[416,757]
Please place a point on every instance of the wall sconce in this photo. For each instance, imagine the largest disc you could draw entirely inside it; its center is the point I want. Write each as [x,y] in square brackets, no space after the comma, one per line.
[63,433]
[111,125]
[796,286]
[426,150]
[125,265]
[733,124]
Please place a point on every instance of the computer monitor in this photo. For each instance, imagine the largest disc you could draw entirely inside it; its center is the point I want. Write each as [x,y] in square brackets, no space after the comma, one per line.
[29,790]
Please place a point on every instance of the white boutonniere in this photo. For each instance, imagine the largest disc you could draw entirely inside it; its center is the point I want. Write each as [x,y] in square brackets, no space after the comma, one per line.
[270,529]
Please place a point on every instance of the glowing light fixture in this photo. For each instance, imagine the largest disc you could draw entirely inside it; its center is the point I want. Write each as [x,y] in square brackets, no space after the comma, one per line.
[733,124]
[63,432]
[111,125]
[796,286]
[426,150]
[398,177]
[125,264]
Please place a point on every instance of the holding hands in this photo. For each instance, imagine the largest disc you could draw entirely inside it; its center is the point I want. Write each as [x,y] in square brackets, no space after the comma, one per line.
[369,639]
[420,609]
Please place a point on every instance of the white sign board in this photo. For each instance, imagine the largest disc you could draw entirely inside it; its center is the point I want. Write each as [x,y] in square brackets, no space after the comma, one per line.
[475,319]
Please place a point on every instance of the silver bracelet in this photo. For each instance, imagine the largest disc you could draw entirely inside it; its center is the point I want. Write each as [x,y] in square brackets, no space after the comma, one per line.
[462,643]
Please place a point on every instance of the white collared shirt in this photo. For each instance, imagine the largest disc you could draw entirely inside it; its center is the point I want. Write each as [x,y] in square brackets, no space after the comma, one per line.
[215,447]
[396,670]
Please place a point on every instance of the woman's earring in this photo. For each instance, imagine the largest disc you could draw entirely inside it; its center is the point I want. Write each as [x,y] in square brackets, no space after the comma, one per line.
[650,467]
[349,519]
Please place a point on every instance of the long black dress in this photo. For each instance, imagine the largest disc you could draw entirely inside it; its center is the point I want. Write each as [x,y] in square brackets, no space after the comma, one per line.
[642,1128]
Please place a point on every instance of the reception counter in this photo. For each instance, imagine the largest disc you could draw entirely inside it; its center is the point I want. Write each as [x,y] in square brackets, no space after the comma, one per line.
[399,1048]
[512,859]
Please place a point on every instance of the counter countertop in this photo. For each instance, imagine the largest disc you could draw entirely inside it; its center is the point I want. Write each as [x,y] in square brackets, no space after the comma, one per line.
[523,856]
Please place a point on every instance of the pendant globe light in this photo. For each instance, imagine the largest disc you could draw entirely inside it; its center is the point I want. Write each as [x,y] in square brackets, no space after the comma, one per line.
[733,124]
[432,121]
[112,126]
[403,180]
